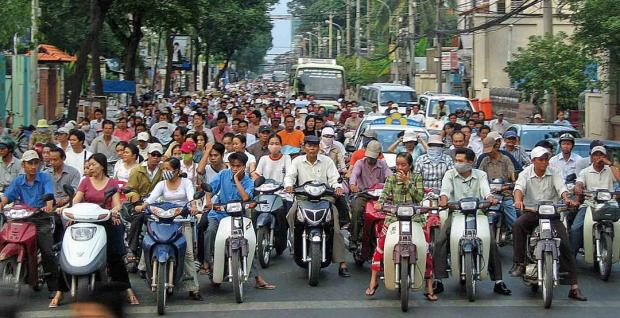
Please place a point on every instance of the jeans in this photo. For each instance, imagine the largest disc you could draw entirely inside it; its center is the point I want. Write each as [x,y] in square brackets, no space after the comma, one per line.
[576,230]
[509,212]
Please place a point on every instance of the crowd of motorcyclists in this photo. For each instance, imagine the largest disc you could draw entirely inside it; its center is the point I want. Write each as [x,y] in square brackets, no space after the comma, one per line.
[166,149]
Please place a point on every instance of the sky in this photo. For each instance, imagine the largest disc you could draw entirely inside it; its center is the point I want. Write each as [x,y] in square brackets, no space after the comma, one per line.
[281,31]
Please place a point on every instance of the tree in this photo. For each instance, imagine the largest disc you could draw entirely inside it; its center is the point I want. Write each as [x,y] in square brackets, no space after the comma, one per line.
[550,64]
[15,20]
[597,25]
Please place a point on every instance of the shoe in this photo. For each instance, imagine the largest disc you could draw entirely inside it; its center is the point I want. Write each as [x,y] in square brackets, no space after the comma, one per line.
[344,272]
[143,274]
[195,296]
[577,295]
[517,270]
[437,287]
[502,289]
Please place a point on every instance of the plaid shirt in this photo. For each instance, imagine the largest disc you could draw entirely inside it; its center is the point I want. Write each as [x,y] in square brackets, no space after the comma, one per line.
[433,173]
[399,192]
[520,155]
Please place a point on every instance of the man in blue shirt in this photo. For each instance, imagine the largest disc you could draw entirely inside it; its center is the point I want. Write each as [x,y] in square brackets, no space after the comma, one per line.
[30,189]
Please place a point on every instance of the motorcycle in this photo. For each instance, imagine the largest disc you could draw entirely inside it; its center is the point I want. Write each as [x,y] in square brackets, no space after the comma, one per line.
[543,252]
[314,230]
[470,239]
[499,228]
[404,256]
[20,259]
[600,243]
[235,245]
[370,228]
[164,248]
[84,245]
[271,226]
[434,219]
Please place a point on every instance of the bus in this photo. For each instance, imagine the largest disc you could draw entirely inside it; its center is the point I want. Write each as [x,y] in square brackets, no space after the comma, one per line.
[321,78]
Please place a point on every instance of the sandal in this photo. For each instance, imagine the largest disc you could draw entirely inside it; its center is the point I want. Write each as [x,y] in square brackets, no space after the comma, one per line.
[265,286]
[371,291]
[431,296]
[56,300]
[131,297]
[195,296]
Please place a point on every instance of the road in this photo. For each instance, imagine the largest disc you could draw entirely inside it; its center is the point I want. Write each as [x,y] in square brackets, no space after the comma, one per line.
[344,297]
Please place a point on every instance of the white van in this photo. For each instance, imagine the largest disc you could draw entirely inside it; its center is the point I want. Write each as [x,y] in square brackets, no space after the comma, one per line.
[381,93]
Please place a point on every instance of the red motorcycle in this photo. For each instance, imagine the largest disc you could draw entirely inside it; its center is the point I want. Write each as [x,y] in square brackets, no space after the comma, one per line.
[433,221]
[372,227]
[19,254]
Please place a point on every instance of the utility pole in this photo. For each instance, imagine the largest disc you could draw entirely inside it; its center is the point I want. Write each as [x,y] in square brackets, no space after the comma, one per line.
[368,5]
[411,32]
[348,35]
[331,34]
[319,39]
[438,44]
[338,40]
[34,65]
[309,45]
[358,13]
[548,106]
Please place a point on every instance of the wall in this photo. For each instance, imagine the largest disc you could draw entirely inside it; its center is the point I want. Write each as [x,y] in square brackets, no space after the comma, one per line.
[597,118]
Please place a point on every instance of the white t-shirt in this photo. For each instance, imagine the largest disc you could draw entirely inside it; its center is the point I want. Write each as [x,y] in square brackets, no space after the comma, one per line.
[76,160]
[121,172]
[251,159]
[183,194]
[274,169]
[190,170]
[210,173]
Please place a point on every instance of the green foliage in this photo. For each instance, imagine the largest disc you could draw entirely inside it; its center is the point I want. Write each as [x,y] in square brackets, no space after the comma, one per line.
[550,63]
[598,25]
[15,19]
[251,57]
[370,70]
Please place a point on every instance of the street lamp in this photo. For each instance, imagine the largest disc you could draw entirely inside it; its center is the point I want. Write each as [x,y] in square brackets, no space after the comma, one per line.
[318,42]
[338,37]
[389,12]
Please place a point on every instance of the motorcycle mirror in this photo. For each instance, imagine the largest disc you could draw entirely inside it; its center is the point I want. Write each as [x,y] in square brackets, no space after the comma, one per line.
[259,181]
[68,190]
[340,180]
[206,187]
[350,148]
[127,190]
[571,178]
[199,195]
[110,192]
[183,175]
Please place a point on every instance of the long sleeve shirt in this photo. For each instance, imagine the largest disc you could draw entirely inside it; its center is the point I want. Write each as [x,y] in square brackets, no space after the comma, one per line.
[322,170]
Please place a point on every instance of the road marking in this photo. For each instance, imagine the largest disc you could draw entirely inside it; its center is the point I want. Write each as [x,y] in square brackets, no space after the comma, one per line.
[337,304]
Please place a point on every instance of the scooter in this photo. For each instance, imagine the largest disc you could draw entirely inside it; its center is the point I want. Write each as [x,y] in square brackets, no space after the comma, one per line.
[84,245]
[271,226]
[314,230]
[601,245]
[20,260]
[164,248]
[404,256]
[543,252]
[235,245]
[370,228]
[499,228]
[470,239]
[434,219]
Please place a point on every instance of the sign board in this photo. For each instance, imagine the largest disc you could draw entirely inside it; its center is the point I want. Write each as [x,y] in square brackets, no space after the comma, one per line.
[449,61]
[396,119]
[119,87]
[182,56]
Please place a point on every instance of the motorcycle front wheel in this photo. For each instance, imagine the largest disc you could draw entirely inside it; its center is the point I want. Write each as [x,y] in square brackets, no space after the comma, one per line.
[604,263]
[9,275]
[470,282]
[547,279]
[404,284]
[314,267]
[237,276]
[162,274]
[263,249]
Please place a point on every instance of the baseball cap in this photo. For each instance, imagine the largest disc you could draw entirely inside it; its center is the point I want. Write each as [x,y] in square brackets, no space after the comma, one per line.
[510,134]
[495,135]
[312,139]
[143,136]
[435,140]
[488,144]
[500,114]
[595,143]
[188,146]
[62,130]
[373,149]
[155,147]
[264,128]
[30,155]
[328,131]
[410,136]
[360,109]
[303,111]
[598,149]
[538,152]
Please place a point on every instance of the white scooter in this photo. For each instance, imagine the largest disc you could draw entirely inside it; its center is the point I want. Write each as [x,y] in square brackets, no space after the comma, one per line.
[404,256]
[601,232]
[84,245]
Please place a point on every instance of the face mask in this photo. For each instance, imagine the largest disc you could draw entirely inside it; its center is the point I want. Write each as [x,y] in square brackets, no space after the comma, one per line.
[187,156]
[463,167]
[85,128]
[167,175]
[327,141]
[274,149]
[434,151]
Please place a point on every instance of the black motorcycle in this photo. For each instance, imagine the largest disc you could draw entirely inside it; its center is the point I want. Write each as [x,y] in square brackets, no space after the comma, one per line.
[270,220]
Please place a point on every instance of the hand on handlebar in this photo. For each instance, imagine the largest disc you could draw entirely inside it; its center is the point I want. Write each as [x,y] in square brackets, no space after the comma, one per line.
[377,206]
[354,188]
[339,191]
[289,189]
[519,205]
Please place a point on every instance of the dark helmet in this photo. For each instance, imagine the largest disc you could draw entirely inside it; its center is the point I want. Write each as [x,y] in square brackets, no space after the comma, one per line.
[8,141]
[567,137]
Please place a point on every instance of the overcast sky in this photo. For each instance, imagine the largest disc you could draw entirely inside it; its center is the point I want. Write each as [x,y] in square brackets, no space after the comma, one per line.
[281,31]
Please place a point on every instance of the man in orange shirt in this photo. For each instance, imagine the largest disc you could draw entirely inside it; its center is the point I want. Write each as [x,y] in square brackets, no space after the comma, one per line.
[291,136]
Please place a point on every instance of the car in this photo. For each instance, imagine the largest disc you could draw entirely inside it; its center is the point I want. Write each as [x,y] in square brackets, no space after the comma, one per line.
[530,134]
[350,136]
[381,93]
[387,130]
[428,102]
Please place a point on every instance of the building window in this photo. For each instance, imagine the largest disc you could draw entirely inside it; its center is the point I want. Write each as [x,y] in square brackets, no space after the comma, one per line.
[514,4]
[501,6]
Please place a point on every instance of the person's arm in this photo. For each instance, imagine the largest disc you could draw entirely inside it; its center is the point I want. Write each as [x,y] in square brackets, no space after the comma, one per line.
[394,146]
[342,166]
[204,160]
[614,170]
[157,192]
[333,176]
[485,188]
[291,177]
[422,142]
[239,185]
[446,189]
[388,190]
[355,174]
[418,188]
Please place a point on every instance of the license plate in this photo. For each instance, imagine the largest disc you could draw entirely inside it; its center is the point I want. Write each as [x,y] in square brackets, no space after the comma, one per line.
[546,226]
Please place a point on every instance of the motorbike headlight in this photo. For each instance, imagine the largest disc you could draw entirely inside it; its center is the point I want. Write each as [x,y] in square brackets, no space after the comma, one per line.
[83,233]
[546,210]
[468,205]
[234,207]
[314,190]
[603,196]
[496,186]
[17,213]
[405,211]
[166,214]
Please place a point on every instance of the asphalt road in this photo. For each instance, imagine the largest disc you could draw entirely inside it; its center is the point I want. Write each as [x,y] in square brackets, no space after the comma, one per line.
[344,297]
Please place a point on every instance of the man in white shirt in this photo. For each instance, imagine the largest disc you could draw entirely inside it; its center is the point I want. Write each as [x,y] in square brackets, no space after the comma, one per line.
[416,115]
[314,166]
[499,124]
[475,141]
[566,160]
[77,155]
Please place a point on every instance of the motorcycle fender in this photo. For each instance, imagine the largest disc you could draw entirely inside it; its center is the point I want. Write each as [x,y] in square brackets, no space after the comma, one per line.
[588,237]
[13,249]
[546,246]
[220,246]
[265,219]
[419,245]
[163,252]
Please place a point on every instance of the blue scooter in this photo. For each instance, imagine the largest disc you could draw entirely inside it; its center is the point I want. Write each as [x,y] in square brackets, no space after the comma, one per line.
[164,248]
[271,226]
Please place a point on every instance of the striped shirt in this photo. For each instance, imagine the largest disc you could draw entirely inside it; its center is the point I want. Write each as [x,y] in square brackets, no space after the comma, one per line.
[433,173]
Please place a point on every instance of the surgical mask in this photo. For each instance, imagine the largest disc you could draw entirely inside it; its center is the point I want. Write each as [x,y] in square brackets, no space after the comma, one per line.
[168,175]
[85,128]
[463,167]
[327,141]
[187,156]
[434,151]
[274,149]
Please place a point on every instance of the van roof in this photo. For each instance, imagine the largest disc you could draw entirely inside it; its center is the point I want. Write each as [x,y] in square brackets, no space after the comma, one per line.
[391,87]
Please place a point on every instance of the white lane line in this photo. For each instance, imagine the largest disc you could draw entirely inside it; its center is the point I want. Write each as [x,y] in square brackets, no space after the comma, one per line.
[337,304]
